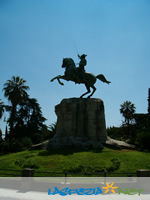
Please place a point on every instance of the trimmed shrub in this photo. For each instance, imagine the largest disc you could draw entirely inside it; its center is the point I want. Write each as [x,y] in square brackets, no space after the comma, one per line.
[26,142]
[142,141]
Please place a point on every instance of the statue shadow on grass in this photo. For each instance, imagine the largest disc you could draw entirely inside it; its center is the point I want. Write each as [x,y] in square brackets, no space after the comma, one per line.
[67,151]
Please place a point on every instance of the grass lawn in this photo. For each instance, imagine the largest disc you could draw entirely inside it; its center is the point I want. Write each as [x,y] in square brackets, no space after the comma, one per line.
[77,161]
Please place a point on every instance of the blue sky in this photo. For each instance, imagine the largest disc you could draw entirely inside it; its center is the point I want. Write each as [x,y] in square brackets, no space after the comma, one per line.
[35,35]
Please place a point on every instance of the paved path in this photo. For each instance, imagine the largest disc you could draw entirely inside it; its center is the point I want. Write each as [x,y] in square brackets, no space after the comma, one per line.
[9,194]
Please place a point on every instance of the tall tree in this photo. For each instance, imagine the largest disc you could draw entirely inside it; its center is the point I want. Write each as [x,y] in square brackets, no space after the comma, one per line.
[127,110]
[2,106]
[6,133]
[15,90]
[29,120]
[149,100]
[31,114]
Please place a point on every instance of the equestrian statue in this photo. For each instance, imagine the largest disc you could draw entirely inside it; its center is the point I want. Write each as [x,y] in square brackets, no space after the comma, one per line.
[79,75]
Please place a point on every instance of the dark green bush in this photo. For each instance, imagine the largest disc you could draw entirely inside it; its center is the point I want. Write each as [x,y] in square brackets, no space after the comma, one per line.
[37,138]
[12,145]
[143,141]
[117,133]
[15,145]
[26,142]
[4,147]
[115,165]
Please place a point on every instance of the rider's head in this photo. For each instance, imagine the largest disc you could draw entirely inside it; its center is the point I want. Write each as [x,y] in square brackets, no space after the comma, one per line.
[83,56]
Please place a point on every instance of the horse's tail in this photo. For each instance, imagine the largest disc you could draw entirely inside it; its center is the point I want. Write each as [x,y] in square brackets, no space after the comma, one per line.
[101,77]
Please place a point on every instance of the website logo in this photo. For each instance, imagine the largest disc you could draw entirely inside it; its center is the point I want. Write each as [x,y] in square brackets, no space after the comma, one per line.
[109,187]
[94,191]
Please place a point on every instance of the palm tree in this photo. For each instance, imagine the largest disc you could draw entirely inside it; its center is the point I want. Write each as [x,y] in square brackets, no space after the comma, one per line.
[127,110]
[15,90]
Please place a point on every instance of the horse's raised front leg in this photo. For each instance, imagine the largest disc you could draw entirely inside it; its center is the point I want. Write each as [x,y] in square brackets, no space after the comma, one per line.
[58,77]
[88,90]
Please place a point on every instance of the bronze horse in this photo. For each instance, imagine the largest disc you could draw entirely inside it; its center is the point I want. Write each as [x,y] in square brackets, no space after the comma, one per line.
[72,74]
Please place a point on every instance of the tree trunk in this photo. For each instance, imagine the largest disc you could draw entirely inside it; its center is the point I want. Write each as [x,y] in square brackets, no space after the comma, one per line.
[12,117]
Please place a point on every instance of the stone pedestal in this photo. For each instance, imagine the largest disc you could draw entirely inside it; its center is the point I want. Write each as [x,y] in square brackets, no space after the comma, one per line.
[80,123]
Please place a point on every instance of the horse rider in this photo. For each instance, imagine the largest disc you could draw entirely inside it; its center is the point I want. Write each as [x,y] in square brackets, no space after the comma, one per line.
[82,64]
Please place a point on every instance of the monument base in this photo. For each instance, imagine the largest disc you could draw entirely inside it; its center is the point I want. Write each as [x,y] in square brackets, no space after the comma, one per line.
[80,123]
